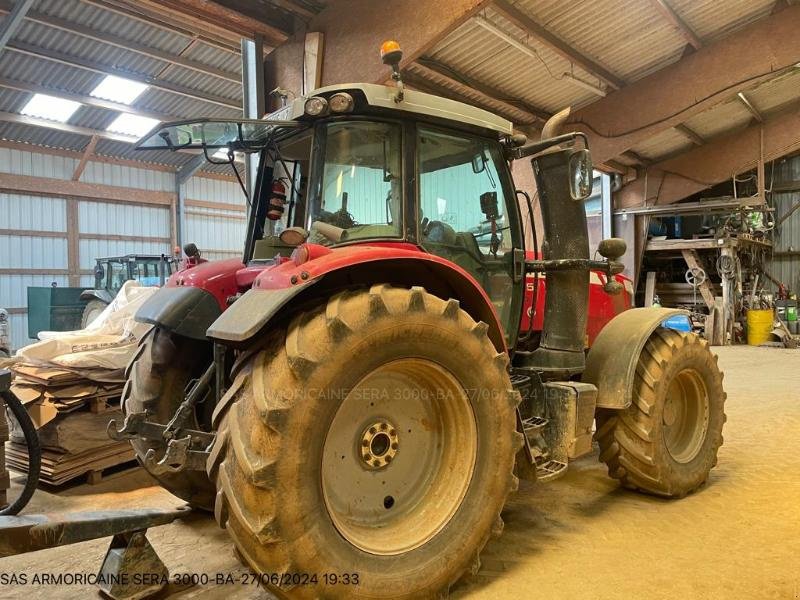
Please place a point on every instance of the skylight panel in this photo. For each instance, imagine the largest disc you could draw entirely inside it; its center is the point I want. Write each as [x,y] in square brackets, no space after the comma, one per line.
[50,108]
[134,125]
[118,89]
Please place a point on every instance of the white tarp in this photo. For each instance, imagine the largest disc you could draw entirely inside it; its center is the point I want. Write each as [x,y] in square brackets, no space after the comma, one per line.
[108,342]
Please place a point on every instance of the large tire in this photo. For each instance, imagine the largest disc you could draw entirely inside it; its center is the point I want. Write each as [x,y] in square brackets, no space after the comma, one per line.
[91,311]
[666,442]
[157,378]
[292,490]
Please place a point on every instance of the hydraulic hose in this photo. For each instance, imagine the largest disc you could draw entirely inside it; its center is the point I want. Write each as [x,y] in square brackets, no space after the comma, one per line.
[34,453]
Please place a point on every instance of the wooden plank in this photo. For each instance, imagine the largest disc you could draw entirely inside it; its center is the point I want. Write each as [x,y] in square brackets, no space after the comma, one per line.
[88,151]
[312,61]
[73,243]
[215,205]
[124,238]
[60,188]
[34,233]
[705,288]
[649,288]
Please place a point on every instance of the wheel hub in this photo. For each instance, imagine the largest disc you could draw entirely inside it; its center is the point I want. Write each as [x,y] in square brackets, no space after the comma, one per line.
[379,444]
[383,500]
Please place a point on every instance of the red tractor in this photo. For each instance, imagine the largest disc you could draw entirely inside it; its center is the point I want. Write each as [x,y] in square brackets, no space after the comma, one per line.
[357,397]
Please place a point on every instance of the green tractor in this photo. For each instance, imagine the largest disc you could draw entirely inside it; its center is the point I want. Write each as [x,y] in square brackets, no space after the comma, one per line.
[113,271]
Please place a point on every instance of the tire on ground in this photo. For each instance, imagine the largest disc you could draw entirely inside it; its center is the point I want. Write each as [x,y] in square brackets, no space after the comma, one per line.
[644,446]
[91,311]
[156,382]
[273,424]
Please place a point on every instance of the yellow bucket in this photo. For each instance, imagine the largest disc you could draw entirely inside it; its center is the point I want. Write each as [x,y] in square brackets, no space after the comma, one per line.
[759,326]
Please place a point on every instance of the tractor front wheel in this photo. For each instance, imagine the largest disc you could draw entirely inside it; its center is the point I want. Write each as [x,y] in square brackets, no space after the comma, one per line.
[91,311]
[157,378]
[666,442]
[367,450]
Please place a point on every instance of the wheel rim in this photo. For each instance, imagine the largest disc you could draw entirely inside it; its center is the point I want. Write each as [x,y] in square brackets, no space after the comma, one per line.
[685,416]
[399,456]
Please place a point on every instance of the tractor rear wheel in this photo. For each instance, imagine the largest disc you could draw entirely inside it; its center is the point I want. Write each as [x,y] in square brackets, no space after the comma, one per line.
[157,377]
[666,442]
[371,442]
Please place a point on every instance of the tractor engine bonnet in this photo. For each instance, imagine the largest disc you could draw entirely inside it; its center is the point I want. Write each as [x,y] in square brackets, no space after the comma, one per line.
[566,237]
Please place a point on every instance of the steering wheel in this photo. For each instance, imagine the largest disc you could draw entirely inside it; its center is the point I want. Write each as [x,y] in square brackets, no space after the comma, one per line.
[695,276]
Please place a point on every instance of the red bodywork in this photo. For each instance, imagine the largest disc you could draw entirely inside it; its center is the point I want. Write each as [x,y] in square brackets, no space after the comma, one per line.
[226,278]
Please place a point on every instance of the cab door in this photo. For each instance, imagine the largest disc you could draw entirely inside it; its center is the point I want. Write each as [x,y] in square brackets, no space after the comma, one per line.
[467,214]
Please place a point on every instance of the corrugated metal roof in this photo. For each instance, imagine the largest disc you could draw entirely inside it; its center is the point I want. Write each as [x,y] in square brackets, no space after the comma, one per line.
[77,80]
[629,38]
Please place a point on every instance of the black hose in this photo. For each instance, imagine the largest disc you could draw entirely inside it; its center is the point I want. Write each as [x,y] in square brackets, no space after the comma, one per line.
[34,453]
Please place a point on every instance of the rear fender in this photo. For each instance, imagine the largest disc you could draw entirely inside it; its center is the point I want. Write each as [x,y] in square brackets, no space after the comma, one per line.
[184,310]
[256,309]
[611,363]
[102,295]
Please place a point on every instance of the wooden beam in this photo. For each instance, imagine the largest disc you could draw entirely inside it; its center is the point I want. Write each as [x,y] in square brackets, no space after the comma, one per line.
[215,205]
[312,61]
[686,31]
[716,161]
[528,25]
[73,243]
[749,106]
[132,9]
[441,81]
[689,134]
[25,271]
[203,13]
[756,53]
[124,238]
[88,151]
[104,69]
[13,21]
[294,8]
[60,188]
[34,233]
[118,42]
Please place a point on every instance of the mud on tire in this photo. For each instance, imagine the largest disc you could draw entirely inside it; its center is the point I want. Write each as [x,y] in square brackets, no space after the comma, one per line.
[278,429]
[666,442]
[157,377]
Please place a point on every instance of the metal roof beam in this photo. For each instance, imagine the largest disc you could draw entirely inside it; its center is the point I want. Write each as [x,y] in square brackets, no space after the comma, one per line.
[700,80]
[13,21]
[443,82]
[716,161]
[527,24]
[24,86]
[66,127]
[227,42]
[117,42]
[91,65]
[686,31]
[749,106]
[689,134]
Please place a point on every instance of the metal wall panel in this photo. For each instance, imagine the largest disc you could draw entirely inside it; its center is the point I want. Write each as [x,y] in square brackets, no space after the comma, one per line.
[19,331]
[14,288]
[124,176]
[786,238]
[214,190]
[123,219]
[218,233]
[22,162]
[20,211]
[25,252]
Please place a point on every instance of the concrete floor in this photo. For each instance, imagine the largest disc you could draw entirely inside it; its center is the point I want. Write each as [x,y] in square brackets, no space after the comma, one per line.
[578,537]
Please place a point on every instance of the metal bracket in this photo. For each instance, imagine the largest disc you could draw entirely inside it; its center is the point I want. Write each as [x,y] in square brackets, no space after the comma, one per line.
[177,457]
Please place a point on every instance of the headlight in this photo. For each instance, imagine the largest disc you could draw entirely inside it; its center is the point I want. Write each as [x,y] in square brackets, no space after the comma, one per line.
[580,174]
[316,106]
[341,102]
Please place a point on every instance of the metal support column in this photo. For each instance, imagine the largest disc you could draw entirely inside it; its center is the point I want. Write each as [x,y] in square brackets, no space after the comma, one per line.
[180,211]
[254,101]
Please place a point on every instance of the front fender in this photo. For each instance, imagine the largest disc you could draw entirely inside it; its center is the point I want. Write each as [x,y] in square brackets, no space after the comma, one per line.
[102,295]
[186,311]
[612,360]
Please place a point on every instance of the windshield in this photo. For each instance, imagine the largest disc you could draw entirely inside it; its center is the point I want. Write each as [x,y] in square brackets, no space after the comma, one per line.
[358,190]
[242,136]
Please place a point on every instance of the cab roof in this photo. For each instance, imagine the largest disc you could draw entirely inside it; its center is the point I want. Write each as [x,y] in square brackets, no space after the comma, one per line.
[382,96]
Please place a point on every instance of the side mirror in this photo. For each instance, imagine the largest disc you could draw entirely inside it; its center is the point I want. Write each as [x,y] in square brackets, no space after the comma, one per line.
[580,174]
[478,163]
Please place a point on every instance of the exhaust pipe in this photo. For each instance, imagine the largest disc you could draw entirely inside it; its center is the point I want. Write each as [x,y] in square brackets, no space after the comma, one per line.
[561,350]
